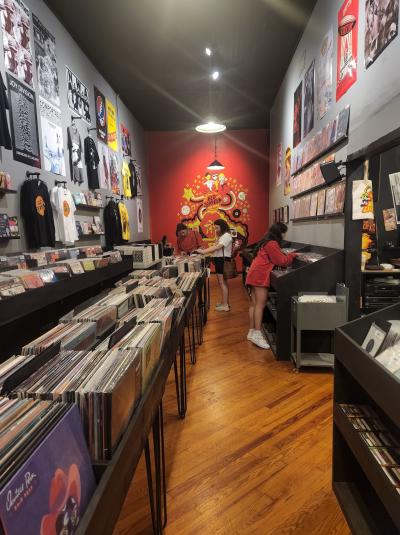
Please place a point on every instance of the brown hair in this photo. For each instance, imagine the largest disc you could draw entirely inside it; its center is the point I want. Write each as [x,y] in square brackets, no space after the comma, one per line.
[223,225]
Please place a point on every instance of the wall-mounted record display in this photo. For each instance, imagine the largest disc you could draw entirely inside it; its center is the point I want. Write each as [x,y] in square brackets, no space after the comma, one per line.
[24,126]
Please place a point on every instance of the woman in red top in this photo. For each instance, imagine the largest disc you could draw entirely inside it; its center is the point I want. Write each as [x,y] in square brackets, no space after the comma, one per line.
[269,255]
[187,240]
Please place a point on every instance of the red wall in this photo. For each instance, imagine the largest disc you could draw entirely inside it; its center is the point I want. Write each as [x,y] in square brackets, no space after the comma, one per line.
[178,161]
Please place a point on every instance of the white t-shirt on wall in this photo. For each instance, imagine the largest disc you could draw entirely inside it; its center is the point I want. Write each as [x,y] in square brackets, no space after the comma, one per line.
[64,215]
[226,240]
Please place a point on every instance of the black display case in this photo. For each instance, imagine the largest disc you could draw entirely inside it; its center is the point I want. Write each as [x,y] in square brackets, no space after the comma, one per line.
[321,275]
[370,502]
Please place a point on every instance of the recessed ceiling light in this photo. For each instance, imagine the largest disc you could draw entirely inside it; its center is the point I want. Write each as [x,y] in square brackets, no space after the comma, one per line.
[215,75]
[208,51]
[210,128]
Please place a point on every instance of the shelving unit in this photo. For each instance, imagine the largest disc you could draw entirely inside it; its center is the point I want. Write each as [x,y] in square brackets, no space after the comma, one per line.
[89,207]
[318,218]
[319,276]
[369,501]
[6,238]
[4,191]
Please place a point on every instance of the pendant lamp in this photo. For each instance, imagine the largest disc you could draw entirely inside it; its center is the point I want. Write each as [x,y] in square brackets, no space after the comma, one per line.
[215,165]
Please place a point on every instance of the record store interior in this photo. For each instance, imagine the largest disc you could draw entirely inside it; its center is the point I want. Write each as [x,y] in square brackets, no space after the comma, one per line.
[199,267]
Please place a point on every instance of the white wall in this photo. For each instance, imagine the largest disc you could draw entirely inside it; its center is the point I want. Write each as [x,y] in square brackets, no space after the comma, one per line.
[374,100]
[69,53]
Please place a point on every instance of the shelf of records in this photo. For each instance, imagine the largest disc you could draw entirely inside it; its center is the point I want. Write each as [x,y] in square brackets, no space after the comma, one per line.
[6,183]
[9,227]
[310,179]
[88,200]
[334,133]
[79,385]
[87,228]
[27,271]
[322,204]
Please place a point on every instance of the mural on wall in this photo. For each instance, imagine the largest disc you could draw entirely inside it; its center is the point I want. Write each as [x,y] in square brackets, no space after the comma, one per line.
[309,99]
[215,196]
[324,75]
[297,107]
[347,47]
[288,166]
[381,27]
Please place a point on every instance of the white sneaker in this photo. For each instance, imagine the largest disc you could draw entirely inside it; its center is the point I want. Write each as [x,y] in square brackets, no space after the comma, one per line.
[250,334]
[259,340]
[222,308]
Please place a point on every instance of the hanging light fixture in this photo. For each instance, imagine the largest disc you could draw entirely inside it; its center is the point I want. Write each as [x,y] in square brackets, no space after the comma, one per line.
[215,165]
[210,128]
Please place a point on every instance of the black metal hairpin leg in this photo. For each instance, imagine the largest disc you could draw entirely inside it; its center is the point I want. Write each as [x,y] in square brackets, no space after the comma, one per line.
[150,485]
[193,356]
[180,378]
[158,468]
[163,465]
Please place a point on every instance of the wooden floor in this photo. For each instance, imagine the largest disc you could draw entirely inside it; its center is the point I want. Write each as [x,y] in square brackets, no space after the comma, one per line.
[254,452]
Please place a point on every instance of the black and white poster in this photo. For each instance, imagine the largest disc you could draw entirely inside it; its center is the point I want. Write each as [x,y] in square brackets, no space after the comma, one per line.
[78,96]
[139,215]
[381,27]
[308,119]
[16,25]
[46,63]
[23,119]
[101,117]
[52,138]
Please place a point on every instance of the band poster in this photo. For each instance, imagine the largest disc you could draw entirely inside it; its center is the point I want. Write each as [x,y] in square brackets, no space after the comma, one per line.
[346,73]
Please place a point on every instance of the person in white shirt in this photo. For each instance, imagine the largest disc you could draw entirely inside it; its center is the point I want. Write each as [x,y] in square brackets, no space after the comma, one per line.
[222,250]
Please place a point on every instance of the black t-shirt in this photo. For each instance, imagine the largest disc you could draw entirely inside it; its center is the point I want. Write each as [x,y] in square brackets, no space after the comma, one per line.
[133,179]
[5,139]
[92,163]
[37,213]
[112,225]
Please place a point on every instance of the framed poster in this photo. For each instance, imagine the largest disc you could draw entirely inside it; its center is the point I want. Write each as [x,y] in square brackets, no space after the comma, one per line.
[114,175]
[112,141]
[46,63]
[24,125]
[309,80]
[126,141]
[101,119]
[78,96]
[381,27]
[52,138]
[346,71]
[16,25]
[297,109]
[139,213]
[325,75]
[104,166]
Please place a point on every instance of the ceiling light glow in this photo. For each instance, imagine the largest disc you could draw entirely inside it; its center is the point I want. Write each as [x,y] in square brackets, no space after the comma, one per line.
[210,128]
[215,75]
[208,51]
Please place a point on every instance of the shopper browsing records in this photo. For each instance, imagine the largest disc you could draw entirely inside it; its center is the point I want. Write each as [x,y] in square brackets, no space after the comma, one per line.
[222,251]
[268,255]
[187,240]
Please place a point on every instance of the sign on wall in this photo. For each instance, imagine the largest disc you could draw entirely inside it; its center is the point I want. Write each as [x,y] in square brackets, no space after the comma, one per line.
[126,141]
[111,126]
[46,63]
[346,73]
[101,120]
[78,96]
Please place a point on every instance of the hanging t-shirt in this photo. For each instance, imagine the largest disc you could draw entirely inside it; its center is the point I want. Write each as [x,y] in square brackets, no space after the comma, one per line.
[126,180]
[112,224]
[92,163]
[123,212]
[5,139]
[64,215]
[37,214]
[75,153]
[133,178]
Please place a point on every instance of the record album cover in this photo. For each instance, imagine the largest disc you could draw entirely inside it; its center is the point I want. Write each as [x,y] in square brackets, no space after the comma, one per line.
[346,74]
[46,62]
[297,113]
[325,75]
[101,118]
[381,27]
[52,138]
[78,96]
[309,81]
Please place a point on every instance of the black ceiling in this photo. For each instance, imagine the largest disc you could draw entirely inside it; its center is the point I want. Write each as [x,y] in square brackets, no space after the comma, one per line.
[151,51]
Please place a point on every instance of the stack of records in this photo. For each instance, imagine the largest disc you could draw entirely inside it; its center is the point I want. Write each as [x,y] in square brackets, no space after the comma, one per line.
[144,273]
[106,385]
[170,271]
[36,259]
[88,264]
[90,250]
[74,266]
[146,337]
[74,336]
[45,486]
[10,366]
[187,281]
[143,294]
[29,279]
[100,261]
[114,256]
[122,301]
[164,315]
[10,286]
[103,318]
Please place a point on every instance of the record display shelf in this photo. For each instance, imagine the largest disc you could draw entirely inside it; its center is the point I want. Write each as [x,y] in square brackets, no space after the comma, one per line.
[6,238]
[370,502]
[4,191]
[115,476]
[25,316]
[321,275]
[318,218]
[89,207]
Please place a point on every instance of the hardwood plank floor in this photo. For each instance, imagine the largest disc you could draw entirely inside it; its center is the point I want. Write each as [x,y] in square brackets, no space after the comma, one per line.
[254,452]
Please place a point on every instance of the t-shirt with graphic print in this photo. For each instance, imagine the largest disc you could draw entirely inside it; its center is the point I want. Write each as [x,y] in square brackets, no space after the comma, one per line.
[123,213]
[64,215]
[37,214]
[126,181]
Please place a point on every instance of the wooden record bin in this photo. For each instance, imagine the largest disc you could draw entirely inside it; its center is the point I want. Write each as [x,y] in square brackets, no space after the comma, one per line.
[370,502]
[319,276]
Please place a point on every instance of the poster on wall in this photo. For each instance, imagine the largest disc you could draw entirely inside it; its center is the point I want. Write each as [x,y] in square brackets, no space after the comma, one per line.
[381,27]
[369,244]
[297,109]
[346,73]
[114,176]
[139,213]
[309,84]
[101,120]
[111,126]
[126,141]
[288,166]
[394,180]
[52,138]
[325,75]
[24,126]
[363,204]
[212,196]
[104,166]
[278,180]
[16,25]
[46,63]
[78,96]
